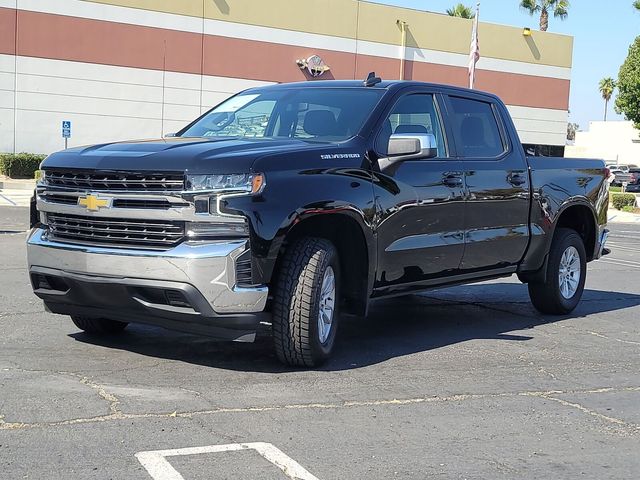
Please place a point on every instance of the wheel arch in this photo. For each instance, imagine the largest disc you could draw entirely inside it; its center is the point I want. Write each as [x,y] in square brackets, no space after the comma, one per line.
[354,248]
[579,216]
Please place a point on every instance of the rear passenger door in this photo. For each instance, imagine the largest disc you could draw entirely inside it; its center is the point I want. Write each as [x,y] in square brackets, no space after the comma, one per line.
[496,182]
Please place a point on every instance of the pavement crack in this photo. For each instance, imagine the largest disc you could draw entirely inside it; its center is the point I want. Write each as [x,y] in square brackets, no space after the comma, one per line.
[600,335]
[117,414]
[620,425]
[20,314]
[102,393]
[543,370]
[112,400]
[187,390]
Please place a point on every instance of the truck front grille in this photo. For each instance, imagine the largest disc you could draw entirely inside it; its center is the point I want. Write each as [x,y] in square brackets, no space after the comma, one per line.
[134,203]
[115,232]
[115,181]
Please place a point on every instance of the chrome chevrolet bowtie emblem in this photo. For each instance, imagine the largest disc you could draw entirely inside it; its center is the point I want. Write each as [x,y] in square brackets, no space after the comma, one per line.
[93,202]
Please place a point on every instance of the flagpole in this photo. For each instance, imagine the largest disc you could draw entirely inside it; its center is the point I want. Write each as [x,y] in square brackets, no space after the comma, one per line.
[474,53]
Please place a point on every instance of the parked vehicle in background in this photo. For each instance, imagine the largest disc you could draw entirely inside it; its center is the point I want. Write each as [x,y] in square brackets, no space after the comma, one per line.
[629,177]
[290,204]
[634,187]
[622,168]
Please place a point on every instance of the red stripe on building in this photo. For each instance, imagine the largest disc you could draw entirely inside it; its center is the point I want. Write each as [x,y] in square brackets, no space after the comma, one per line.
[7,31]
[94,41]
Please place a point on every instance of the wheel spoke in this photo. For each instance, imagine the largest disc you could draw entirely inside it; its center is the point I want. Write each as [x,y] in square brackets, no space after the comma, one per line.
[569,272]
[326,304]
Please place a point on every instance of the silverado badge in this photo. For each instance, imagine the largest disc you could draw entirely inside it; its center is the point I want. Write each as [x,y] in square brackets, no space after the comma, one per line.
[94,203]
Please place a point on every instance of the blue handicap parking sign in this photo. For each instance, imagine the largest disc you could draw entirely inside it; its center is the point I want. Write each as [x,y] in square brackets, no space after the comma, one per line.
[66,129]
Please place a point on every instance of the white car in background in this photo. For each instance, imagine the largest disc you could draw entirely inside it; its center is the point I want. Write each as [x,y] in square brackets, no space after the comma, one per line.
[623,168]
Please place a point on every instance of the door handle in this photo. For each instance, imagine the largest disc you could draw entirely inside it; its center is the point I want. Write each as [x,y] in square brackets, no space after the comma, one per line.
[452,180]
[516,179]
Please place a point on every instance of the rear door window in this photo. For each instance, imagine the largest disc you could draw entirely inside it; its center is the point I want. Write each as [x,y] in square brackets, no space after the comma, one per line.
[476,128]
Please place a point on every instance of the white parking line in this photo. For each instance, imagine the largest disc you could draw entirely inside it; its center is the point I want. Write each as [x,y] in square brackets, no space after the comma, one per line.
[157,465]
[8,200]
[621,263]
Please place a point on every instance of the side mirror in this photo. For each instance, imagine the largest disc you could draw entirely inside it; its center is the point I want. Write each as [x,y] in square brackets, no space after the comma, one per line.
[409,146]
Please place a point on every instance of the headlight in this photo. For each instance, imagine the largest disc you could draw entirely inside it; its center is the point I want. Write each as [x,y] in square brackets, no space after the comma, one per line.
[232,183]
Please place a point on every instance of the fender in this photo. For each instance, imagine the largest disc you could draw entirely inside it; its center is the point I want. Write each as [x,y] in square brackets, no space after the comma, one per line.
[542,234]
[313,194]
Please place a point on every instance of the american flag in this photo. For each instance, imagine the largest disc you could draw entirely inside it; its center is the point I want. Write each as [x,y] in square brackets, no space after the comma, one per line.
[474,56]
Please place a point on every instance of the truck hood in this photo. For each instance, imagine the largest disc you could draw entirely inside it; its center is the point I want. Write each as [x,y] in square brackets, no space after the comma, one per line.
[192,155]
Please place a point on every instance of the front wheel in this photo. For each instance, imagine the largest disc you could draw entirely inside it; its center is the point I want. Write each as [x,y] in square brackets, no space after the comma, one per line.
[305,304]
[566,274]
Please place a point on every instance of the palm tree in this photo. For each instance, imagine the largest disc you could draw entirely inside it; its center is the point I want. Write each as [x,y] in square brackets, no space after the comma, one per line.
[559,8]
[462,11]
[607,86]
[636,4]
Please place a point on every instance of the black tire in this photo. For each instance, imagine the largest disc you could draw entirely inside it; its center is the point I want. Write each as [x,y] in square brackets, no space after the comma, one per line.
[296,303]
[98,326]
[547,296]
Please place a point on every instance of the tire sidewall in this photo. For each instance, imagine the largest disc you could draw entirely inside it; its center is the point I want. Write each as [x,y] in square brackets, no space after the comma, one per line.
[566,240]
[322,351]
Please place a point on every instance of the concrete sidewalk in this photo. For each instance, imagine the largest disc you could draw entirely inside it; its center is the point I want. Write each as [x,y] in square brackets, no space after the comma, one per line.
[15,198]
[7,183]
[16,192]
[617,216]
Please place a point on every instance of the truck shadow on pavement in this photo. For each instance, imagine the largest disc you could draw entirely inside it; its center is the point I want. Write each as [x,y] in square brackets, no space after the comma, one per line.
[394,328]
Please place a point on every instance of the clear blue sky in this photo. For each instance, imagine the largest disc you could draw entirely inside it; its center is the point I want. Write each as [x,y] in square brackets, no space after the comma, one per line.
[602,34]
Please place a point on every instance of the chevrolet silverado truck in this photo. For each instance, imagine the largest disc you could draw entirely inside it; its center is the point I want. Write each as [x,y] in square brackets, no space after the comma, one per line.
[288,205]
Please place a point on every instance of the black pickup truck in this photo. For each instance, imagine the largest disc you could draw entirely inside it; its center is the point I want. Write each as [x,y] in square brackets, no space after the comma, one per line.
[289,205]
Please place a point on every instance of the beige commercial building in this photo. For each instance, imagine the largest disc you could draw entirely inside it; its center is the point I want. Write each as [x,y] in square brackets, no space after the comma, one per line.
[119,69]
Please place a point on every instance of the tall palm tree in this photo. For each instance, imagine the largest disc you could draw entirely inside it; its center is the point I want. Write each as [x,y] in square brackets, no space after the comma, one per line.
[607,86]
[559,9]
[462,11]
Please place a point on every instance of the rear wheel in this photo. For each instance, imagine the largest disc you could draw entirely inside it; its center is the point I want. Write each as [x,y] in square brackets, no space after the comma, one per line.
[98,326]
[566,274]
[305,306]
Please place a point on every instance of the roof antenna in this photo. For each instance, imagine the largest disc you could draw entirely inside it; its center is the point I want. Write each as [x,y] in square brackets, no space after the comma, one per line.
[372,80]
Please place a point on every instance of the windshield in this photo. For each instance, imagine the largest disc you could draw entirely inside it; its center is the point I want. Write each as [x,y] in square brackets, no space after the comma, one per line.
[313,114]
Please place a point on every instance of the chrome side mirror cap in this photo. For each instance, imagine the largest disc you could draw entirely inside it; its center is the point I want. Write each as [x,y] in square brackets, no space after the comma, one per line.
[409,146]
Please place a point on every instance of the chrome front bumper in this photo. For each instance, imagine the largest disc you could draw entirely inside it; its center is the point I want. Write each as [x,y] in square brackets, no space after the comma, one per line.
[205,272]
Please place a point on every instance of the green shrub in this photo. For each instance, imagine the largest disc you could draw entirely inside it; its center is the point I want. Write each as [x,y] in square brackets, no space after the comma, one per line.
[20,165]
[629,209]
[621,200]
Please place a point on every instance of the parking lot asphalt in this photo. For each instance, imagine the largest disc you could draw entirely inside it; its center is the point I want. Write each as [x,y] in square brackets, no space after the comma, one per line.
[464,383]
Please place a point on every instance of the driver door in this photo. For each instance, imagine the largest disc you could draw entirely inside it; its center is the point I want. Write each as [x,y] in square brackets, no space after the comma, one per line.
[420,203]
